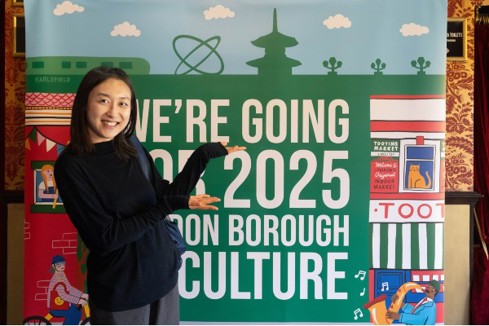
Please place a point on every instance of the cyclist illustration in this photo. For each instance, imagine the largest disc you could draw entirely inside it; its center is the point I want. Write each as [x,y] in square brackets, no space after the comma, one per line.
[63,299]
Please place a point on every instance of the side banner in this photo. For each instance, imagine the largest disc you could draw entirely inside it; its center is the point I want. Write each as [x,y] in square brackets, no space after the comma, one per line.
[338,202]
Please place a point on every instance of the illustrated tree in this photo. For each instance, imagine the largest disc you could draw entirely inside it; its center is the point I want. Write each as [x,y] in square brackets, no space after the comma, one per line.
[378,66]
[332,64]
[421,64]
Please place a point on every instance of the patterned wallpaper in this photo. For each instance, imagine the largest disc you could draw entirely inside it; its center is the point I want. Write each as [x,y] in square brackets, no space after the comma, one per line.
[459,149]
[14,106]
[460,99]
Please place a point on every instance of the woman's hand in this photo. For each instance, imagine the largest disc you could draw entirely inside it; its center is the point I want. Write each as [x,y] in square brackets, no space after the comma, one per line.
[234,148]
[203,202]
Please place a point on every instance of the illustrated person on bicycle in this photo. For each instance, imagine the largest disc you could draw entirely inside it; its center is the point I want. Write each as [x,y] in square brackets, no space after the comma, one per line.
[63,299]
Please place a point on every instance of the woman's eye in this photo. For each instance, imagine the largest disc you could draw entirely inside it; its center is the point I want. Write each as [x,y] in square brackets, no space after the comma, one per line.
[124,104]
[103,100]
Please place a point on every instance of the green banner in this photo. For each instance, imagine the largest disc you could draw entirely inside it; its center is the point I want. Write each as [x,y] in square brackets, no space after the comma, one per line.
[315,214]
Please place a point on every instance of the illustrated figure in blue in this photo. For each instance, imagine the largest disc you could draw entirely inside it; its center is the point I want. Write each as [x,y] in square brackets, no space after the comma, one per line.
[64,300]
[47,190]
[423,313]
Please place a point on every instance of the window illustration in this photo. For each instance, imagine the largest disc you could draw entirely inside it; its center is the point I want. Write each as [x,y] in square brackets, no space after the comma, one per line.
[46,195]
[420,164]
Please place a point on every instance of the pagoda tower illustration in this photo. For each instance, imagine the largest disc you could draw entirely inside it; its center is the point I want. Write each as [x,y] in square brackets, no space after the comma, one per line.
[274,62]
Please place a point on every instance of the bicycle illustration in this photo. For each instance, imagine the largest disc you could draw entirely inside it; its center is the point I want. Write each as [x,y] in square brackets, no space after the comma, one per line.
[63,300]
[46,320]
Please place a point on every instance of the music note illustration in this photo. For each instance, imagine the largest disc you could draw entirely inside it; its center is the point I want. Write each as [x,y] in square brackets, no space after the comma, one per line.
[385,286]
[358,312]
[360,274]
[362,293]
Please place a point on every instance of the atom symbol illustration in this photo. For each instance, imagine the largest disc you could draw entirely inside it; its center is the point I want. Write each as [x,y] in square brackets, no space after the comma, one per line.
[197,55]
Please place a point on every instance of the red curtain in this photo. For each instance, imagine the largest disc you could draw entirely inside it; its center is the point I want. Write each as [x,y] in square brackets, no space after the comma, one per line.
[480,279]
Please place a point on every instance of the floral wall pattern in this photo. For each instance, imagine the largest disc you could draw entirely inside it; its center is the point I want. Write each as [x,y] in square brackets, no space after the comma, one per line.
[460,100]
[459,127]
[14,106]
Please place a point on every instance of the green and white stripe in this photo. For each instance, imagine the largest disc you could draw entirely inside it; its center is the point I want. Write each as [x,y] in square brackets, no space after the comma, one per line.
[407,245]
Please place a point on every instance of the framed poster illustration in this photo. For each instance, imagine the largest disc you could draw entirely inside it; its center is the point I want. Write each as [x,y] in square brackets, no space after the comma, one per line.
[457,39]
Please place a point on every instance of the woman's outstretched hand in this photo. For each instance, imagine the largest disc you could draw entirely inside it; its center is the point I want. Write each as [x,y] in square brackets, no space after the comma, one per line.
[203,202]
[233,148]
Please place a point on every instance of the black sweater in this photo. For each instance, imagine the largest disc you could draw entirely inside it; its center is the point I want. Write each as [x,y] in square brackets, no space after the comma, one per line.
[119,215]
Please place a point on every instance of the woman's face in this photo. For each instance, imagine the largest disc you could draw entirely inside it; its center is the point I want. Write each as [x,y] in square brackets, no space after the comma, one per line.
[108,110]
[48,173]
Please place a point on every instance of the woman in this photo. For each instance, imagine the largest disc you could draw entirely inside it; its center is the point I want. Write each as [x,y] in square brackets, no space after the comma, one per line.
[47,190]
[119,212]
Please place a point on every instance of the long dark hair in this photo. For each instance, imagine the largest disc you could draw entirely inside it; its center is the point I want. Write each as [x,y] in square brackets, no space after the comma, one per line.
[81,142]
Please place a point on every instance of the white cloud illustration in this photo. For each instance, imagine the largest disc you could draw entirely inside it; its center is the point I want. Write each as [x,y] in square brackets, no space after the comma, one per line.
[67,7]
[337,21]
[125,29]
[218,12]
[413,29]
